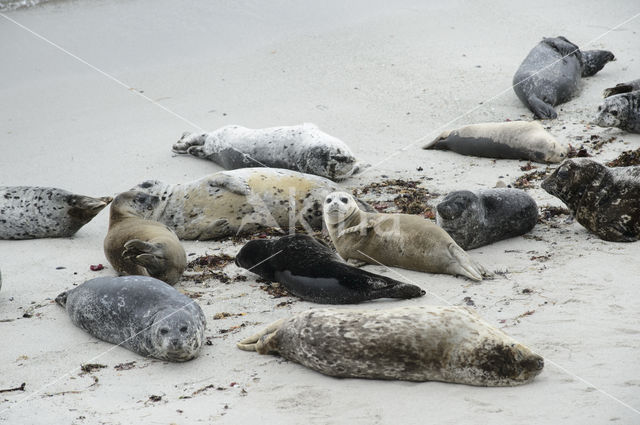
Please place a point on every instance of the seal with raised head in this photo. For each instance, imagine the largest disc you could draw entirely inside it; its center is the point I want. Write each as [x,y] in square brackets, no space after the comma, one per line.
[137,246]
[482,217]
[301,148]
[396,240]
[551,72]
[604,200]
[503,140]
[621,111]
[140,313]
[420,343]
[312,271]
[622,88]
[239,201]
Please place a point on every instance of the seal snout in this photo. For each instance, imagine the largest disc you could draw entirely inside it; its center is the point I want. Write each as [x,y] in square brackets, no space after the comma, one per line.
[532,363]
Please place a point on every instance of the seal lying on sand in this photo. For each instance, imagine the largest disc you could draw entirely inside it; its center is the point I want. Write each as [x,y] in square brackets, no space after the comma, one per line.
[604,200]
[301,148]
[621,111]
[482,217]
[396,240]
[504,140]
[622,88]
[29,212]
[550,74]
[425,343]
[143,314]
[312,271]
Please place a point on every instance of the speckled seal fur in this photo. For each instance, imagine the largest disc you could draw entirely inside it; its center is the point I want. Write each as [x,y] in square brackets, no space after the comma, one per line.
[621,111]
[425,343]
[604,200]
[301,148]
[143,314]
[482,217]
[29,212]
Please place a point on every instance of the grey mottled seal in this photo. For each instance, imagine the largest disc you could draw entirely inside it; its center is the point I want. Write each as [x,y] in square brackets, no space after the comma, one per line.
[604,200]
[482,217]
[312,271]
[622,88]
[551,72]
[425,343]
[301,148]
[137,246]
[143,314]
[396,240]
[503,140]
[621,111]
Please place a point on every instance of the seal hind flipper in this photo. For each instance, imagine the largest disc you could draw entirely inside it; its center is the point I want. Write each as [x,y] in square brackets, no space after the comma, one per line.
[86,207]
[434,143]
[62,299]
[402,290]
[260,341]
[618,89]
[187,141]
[463,265]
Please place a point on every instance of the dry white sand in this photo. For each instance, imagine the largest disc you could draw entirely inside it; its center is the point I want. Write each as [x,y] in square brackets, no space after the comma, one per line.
[378,75]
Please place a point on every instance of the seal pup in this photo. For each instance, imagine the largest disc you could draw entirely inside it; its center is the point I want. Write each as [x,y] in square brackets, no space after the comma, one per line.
[137,246]
[483,217]
[143,314]
[301,148]
[396,240]
[604,200]
[30,212]
[622,88]
[419,343]
[312,271]
[550,74]
[621,111]
[504,140]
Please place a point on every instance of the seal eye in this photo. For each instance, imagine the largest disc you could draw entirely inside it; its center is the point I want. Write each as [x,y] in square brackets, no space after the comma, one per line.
[344,200]
[183,329]
[614,113]
[164,331]
[328,201]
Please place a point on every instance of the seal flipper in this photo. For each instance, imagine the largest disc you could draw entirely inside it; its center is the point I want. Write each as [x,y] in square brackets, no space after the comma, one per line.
[434,143]
[187,141]
[594,60]
[622,88]
[147,255]
[230,182]
[62,299]
[463,265]
[261,342]
[541,109]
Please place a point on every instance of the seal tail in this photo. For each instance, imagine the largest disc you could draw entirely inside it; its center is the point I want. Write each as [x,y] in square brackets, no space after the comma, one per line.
[263,341]
[433,144]
[62,299]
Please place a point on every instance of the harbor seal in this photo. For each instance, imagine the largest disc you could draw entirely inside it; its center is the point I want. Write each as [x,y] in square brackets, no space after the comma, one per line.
[239,201]
[551,72]
[396,240]
[137,246]
[474,219]
[504,140]
[143,314]
[420,343]
[30,212]
[622,88]
[312,271]
[301,148]
[604,200]
[621,111]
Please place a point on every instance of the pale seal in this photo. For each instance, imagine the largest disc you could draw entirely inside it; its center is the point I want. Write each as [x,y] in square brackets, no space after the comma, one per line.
[396,240]
[482,217]
[551,72]
[143,314]
[312,271]
[604,200]
[301,148]
[504,140]
[421,343]
[621,111]
[622,88]
[137,246]
[29,212]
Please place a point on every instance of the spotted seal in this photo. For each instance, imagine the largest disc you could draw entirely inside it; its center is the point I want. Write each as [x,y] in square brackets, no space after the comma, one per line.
[621,111]
[143,314]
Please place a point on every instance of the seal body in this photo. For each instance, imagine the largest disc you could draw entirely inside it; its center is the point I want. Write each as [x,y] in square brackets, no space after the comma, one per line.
[312,271]
[551,72]
[505,140]
[137,246]
[301,148]
[621,111]
[143,314]
[425,343]
[604,200]
[396,240]
[30,212]
[622,88]
[474,219]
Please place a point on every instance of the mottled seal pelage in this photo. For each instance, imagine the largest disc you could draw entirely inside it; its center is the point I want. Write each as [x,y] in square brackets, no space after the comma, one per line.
[137,246]
[143,314]
[396,240]
[239,201]
[551,72]
[421,343]
[301,148]
[622,88]
[621,111]
[485,216]
[312,271]
[503,140]
[604,200]
[29,212]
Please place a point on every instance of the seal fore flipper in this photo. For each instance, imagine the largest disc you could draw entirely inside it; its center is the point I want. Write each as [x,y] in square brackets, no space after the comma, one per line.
[541,109]
[145,254]
[463,265]
[259,341]
[231,183]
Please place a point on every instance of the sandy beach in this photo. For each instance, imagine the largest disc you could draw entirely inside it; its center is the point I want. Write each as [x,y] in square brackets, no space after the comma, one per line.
[96,108]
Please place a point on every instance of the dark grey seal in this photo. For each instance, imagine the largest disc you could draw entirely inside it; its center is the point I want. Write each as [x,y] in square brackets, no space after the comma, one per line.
[621,111]
[604,200]
[483,217]
[141,313]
